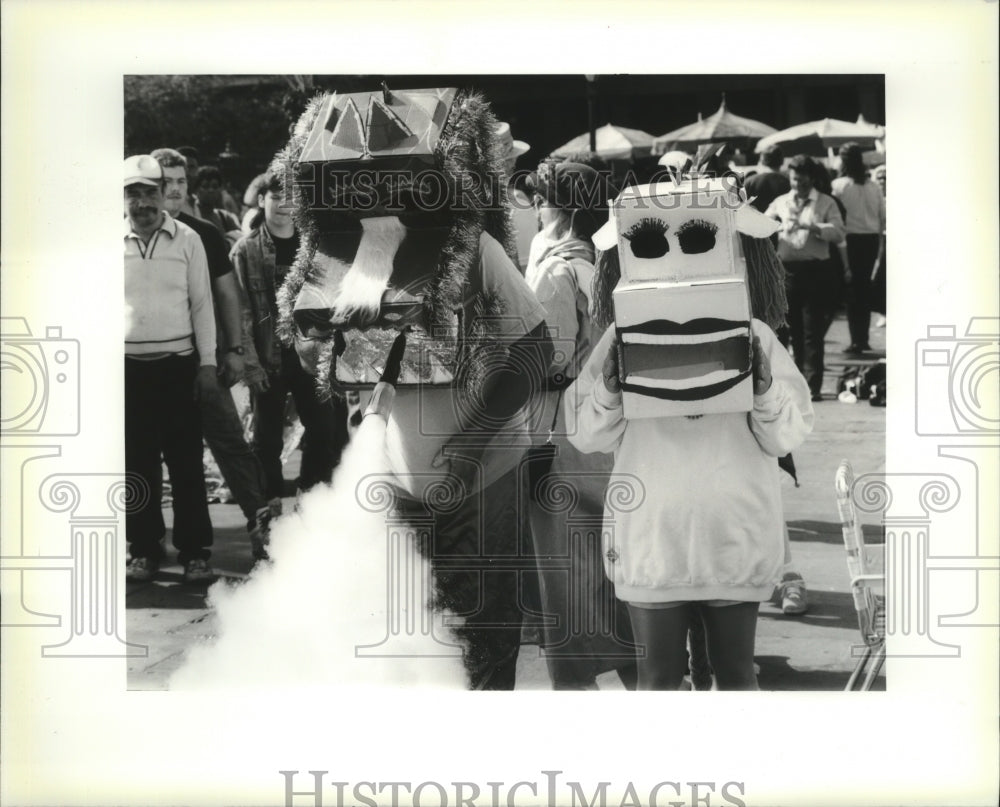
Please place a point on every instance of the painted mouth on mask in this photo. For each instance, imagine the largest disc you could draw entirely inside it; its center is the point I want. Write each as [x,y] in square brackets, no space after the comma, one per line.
[685,361]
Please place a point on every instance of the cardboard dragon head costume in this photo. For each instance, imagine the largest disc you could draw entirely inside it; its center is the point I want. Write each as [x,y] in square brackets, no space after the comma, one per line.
[684,266]
[392,192]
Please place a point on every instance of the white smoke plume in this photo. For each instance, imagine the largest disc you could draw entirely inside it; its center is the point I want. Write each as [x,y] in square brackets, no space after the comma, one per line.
[298,622]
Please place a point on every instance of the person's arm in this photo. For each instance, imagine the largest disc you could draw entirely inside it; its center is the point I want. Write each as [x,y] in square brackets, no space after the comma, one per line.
[881,232]
[555,288]
[202,318]
[522,332]
[782,415]
[509,387]
[200,302]
[230,306]
[253,372]
[829,225]
[593,403]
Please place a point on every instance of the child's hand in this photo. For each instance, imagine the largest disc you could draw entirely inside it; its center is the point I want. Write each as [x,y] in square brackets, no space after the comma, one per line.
[761,369]
[610,370]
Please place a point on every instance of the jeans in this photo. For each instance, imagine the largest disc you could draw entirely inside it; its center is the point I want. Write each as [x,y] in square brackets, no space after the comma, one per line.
[811,289]
[239,465]
[162,421]
[325,425]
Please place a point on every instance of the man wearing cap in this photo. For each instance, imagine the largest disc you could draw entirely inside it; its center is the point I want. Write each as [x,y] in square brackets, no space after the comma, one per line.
[222,427]
[169,367]
[522,211]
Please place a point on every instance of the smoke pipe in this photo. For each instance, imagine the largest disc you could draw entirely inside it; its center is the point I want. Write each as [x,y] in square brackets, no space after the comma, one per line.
[385,390]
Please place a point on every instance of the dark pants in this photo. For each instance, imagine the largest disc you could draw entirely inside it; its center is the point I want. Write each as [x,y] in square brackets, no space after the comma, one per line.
[162,421]
[325,425]
[878,291]
[861,253]
[480,552]
[811,288]
[239,466]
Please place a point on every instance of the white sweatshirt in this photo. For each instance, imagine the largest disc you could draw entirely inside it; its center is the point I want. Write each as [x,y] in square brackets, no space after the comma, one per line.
[706,521]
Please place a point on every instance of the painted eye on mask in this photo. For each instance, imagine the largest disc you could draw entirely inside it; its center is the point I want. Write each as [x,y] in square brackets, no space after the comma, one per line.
[648,238]
[697,236]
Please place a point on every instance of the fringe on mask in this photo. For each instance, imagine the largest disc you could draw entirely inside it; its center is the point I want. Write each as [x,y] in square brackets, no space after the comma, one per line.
[607,272]
[469,154]
[326,381]
[284,165]
[765,281]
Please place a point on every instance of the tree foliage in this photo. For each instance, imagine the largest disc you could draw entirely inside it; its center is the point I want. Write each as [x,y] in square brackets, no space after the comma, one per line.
[250,115]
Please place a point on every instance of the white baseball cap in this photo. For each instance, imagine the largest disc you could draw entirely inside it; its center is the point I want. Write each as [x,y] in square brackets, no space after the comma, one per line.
[141,169]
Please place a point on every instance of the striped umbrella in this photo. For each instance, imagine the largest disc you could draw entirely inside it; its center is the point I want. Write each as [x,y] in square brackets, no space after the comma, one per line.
[722,126]
[613,143]
[828,133]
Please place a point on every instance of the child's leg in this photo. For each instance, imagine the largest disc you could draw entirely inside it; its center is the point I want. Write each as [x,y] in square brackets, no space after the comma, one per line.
[731,631]
[662,634]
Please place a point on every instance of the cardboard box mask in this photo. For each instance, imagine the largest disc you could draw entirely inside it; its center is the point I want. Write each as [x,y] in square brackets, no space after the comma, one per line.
[682,308]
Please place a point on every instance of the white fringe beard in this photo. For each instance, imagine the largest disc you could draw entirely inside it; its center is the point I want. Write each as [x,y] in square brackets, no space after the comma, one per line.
[361,291]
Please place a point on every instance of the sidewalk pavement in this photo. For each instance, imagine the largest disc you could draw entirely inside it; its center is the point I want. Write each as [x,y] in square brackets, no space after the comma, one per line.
[809,652]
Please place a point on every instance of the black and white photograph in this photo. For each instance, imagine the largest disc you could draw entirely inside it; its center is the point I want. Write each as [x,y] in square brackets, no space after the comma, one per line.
[471,362]
[583,556]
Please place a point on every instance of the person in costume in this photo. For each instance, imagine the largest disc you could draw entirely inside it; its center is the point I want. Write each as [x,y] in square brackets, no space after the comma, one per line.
[400,198]
[590,632]
[709,534]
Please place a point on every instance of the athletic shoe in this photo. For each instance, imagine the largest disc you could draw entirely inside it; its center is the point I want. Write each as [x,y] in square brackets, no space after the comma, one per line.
[141,570]
[198,571]
[260,528]
[793,595]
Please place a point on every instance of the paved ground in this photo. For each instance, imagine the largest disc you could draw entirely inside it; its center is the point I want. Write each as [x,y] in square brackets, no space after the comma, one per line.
[811,652]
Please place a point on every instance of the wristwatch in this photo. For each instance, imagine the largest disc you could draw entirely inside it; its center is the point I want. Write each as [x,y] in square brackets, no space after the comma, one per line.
[237,349]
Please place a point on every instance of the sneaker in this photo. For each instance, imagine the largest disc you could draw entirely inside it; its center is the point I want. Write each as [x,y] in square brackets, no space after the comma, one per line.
[260,531]
[141,570]
[198,571]
[793,595]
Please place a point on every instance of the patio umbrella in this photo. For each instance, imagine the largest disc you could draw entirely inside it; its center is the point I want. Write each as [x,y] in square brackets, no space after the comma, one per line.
[824,134]
[613,143]
[722,126]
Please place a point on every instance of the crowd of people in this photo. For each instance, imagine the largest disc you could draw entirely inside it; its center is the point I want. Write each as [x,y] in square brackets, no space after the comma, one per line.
[203,276]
